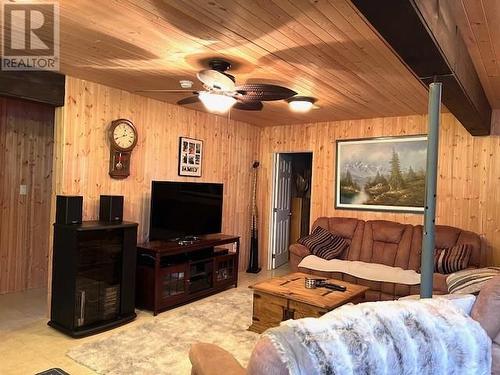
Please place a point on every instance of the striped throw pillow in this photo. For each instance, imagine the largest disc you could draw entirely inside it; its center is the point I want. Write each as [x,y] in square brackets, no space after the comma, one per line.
[452,259]
[470,281]
[324,244]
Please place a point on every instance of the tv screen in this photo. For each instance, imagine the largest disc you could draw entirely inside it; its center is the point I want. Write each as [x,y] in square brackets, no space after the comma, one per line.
[180,209]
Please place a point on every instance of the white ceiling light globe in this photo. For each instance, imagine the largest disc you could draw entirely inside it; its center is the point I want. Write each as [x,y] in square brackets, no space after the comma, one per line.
[216,102]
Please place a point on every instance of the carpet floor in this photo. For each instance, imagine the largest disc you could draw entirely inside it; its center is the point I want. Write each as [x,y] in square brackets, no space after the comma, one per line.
[162,345]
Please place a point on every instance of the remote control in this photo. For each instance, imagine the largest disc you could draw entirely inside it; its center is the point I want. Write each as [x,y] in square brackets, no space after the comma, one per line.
[339,288]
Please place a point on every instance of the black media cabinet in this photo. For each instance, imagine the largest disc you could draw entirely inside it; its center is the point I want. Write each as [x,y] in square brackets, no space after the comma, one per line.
[171,274]
[93,277]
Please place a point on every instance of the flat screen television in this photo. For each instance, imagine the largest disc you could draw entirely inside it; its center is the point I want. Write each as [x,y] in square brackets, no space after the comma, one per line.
[183,209]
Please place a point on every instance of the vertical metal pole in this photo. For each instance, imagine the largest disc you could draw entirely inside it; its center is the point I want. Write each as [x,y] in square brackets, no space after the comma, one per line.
[428,241]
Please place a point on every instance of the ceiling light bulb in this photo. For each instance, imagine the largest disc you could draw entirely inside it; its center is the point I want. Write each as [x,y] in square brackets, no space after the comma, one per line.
[186,84]
[301,103]
[216,102]
[300,106]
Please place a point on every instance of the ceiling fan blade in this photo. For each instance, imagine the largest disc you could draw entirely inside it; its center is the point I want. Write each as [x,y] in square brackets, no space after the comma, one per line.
[216,80]
[172,91]
[189,100]
[247,105]
[264,91]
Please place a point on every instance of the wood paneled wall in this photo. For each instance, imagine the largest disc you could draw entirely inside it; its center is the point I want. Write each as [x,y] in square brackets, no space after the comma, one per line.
[469,168]
[26,147]
[469,173]
[82,153]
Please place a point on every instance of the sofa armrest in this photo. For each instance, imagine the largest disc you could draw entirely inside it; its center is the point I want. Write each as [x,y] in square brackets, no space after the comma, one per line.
[439,283]
[209,359]
[299,250]
[297,253]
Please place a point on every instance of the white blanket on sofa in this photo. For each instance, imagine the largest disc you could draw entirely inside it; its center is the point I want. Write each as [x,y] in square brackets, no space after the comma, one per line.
[398,337]
[362,270]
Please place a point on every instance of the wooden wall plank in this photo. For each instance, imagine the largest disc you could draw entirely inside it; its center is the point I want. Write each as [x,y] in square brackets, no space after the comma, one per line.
[468,175]
[26,143]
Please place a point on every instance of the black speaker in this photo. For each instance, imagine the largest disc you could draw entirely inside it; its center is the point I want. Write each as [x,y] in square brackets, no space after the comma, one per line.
[69,209]
[111,208]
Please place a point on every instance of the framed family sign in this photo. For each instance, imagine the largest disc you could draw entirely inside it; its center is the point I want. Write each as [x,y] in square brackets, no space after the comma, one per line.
[190,157]
[381,174]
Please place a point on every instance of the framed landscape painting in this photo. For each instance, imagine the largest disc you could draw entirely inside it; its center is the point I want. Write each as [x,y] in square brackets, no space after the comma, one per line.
[381,174]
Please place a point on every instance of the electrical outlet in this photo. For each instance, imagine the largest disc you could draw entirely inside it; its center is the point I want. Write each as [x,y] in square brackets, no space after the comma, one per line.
[23,190]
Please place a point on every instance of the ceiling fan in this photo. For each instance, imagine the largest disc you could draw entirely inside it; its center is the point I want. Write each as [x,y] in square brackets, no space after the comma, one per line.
[221,93]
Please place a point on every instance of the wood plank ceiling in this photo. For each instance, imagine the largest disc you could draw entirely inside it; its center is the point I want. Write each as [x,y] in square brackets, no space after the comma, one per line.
[479,20]
[319,48]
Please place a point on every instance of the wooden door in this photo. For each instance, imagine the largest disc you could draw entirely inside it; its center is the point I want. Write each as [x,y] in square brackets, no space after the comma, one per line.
[281,209]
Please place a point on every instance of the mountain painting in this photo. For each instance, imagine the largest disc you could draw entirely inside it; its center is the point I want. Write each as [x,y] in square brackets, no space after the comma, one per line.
[383,174]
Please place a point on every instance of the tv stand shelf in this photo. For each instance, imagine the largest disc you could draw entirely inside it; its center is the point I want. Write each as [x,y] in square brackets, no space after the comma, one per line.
[170,273]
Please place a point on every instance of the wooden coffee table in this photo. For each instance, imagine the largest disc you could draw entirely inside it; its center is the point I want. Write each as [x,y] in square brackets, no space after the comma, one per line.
[286,297]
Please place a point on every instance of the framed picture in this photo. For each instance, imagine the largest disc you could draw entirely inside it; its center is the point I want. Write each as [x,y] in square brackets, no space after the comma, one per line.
[381,174]
[190,157]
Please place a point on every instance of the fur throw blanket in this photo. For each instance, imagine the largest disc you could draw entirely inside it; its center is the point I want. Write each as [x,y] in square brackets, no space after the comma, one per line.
[429,336]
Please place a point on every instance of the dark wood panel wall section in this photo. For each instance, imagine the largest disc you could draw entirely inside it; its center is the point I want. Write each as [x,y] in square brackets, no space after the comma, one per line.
[42,87]
[426,37]
[26,150]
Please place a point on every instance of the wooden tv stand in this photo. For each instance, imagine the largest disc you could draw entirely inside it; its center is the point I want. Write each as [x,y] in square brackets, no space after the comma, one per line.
[170,274]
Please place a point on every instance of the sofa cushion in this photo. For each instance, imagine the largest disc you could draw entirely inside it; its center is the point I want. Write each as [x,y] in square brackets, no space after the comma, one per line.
[439,285]
[447,237]
[206,359]
[453,259]
[297,253]
[470,281]
[348,228]
[486,310]
[386,242]
[324,244]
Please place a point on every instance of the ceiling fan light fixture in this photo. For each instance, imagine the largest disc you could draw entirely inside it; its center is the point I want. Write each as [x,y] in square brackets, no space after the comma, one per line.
[218,103]
[186,84]
[301,104]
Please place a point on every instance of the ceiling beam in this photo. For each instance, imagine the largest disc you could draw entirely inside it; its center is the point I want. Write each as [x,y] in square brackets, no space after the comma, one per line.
[425,36]
[37,86]
[495,122]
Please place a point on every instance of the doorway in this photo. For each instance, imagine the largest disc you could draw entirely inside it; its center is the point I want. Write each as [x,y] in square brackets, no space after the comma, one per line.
[291,203]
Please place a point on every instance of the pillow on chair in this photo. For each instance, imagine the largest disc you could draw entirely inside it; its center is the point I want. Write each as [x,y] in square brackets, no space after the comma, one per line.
[470,281]
[324,244]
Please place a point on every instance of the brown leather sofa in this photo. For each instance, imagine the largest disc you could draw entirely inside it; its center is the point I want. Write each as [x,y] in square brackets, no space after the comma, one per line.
[391,244]
[209,359]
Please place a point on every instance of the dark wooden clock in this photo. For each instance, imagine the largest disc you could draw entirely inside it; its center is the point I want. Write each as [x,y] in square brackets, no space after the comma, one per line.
[122,138]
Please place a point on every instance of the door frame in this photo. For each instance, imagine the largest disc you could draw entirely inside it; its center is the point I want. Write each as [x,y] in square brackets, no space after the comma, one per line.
[271,200]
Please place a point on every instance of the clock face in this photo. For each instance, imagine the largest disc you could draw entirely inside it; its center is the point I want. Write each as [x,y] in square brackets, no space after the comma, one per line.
[124,136]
